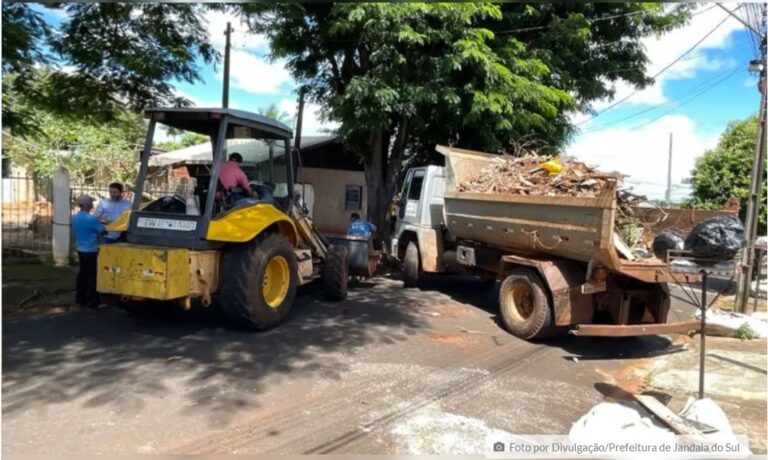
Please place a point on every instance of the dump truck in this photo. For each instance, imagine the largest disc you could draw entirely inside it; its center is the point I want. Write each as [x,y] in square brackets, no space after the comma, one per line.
[246,257]
[557,256]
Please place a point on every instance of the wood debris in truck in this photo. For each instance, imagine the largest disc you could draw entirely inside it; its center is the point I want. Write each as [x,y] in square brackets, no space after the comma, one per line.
[535,175]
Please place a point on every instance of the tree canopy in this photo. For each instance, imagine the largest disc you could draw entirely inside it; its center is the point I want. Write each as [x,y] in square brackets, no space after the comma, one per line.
[725,171]
[90,152]
[103,59]
[187,140]
[401,77]
[273,111]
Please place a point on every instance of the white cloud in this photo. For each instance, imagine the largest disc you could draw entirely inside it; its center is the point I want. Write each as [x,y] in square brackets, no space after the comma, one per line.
[313,123]
[751,82]
[664,49]
[642,154]
[198,102]
[254,74]
[241,38]
[250,70]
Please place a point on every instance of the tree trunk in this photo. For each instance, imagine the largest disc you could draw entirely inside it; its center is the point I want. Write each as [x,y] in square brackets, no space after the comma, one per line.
[376,182]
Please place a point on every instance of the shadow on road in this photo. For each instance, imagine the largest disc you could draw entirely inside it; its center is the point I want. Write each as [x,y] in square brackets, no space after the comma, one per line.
[108,358]
[472,291]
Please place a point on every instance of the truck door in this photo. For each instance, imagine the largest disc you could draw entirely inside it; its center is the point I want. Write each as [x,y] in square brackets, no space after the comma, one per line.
[411,211]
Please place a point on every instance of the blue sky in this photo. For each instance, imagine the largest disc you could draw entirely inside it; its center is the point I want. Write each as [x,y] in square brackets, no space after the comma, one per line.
[695,99]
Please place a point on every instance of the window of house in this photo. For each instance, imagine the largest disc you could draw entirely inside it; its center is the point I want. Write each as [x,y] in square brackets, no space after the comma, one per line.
[353,198]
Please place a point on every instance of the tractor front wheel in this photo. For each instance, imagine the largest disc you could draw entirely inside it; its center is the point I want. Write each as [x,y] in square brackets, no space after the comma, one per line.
[258,282]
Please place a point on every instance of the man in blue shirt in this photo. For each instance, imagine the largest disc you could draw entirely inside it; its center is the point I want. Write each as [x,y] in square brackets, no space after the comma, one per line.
[360,227]
[87,230]
[111,209]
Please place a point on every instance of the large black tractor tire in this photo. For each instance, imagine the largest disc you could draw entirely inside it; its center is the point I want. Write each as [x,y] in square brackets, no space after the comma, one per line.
[258,282]
[336,273]
[526,310]
[412,271]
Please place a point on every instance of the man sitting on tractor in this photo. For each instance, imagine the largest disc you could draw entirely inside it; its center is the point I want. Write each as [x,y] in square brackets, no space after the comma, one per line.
[233,179]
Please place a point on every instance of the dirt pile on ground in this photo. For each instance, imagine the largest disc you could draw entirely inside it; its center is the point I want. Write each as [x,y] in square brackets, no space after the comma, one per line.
[536,175]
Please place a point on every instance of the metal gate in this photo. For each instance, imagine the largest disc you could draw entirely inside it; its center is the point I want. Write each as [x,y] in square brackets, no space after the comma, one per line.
[27,218]
[101,192]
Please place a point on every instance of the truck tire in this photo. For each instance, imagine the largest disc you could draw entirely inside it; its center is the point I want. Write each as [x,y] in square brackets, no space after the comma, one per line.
[258,282]
[336,273]
[525,307]
[411,266]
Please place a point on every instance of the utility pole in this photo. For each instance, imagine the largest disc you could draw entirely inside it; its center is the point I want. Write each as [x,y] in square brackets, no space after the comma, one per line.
[668,195]
[753,200]
[225,95]
[300,118]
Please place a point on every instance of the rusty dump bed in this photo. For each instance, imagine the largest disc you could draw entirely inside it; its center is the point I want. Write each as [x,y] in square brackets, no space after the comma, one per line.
[574,228]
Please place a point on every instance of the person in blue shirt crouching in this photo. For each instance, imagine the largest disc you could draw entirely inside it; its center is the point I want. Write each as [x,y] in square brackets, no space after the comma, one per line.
[360,227]
[87,230]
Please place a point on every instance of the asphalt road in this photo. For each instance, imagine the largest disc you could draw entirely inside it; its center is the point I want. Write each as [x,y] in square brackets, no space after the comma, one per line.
[390,370]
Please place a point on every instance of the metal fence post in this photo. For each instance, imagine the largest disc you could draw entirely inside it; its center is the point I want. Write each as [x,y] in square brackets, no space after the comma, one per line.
[61,217]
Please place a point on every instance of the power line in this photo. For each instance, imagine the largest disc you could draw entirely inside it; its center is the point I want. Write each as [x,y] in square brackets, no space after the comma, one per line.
[600,19]
[676,98]
[702,91]
[660,71]
[549,26]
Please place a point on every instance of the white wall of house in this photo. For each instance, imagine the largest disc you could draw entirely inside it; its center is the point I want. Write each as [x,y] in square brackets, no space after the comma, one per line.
[331,204]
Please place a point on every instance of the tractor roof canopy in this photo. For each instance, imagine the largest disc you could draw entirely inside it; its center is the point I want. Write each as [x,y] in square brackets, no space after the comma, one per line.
[206,121]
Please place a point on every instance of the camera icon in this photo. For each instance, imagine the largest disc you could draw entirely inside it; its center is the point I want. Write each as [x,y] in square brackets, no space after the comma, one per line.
[498,447]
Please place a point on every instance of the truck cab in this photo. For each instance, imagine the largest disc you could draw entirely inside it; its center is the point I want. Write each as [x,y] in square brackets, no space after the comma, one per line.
[420,224]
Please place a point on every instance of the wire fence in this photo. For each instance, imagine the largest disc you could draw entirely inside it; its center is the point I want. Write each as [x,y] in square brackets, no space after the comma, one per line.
[27,218]
[100,192]
[27,213]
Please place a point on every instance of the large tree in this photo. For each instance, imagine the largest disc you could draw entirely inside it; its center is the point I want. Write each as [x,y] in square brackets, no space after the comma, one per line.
[401,77]
[104,58]
[726,171]
[91,152]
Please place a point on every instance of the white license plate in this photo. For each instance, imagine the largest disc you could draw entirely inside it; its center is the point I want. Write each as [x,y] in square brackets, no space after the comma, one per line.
[167,224]
[592,288]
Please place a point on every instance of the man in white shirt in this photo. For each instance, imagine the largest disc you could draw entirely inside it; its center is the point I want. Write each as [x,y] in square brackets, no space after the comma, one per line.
[110,209]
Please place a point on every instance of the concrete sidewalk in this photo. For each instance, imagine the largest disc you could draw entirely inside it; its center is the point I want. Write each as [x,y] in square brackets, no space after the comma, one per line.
[735,378]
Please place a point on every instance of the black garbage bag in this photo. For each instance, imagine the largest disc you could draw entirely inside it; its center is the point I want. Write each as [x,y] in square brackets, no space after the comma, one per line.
[665,241]
[717,238]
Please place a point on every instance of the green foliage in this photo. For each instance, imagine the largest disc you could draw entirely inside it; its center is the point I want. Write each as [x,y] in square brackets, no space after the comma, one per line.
[402,77]
[725,172]
[274,112]
[745,332]
[23,29]
[90,152]
[104,57]
[187,140]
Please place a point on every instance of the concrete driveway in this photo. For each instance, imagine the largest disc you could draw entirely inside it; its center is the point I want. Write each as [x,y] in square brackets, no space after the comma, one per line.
[390,370]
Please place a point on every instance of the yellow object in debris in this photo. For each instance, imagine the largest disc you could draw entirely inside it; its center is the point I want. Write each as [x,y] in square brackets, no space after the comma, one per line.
[553,167]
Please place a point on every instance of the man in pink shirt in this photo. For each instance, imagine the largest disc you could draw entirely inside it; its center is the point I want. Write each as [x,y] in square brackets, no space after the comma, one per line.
[230,175]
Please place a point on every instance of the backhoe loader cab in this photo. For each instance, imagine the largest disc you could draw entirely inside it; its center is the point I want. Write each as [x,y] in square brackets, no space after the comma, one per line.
[245,251]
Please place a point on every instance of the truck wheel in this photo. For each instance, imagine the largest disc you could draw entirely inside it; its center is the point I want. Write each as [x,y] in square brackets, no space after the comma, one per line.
[525,306]
[411,266]
[335,273]
[258,282]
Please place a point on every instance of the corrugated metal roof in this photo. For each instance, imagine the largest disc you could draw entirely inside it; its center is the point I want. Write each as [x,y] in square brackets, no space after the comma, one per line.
[252,150]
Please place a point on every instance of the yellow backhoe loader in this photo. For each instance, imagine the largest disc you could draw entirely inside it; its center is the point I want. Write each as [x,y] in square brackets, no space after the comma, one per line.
[244,250]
